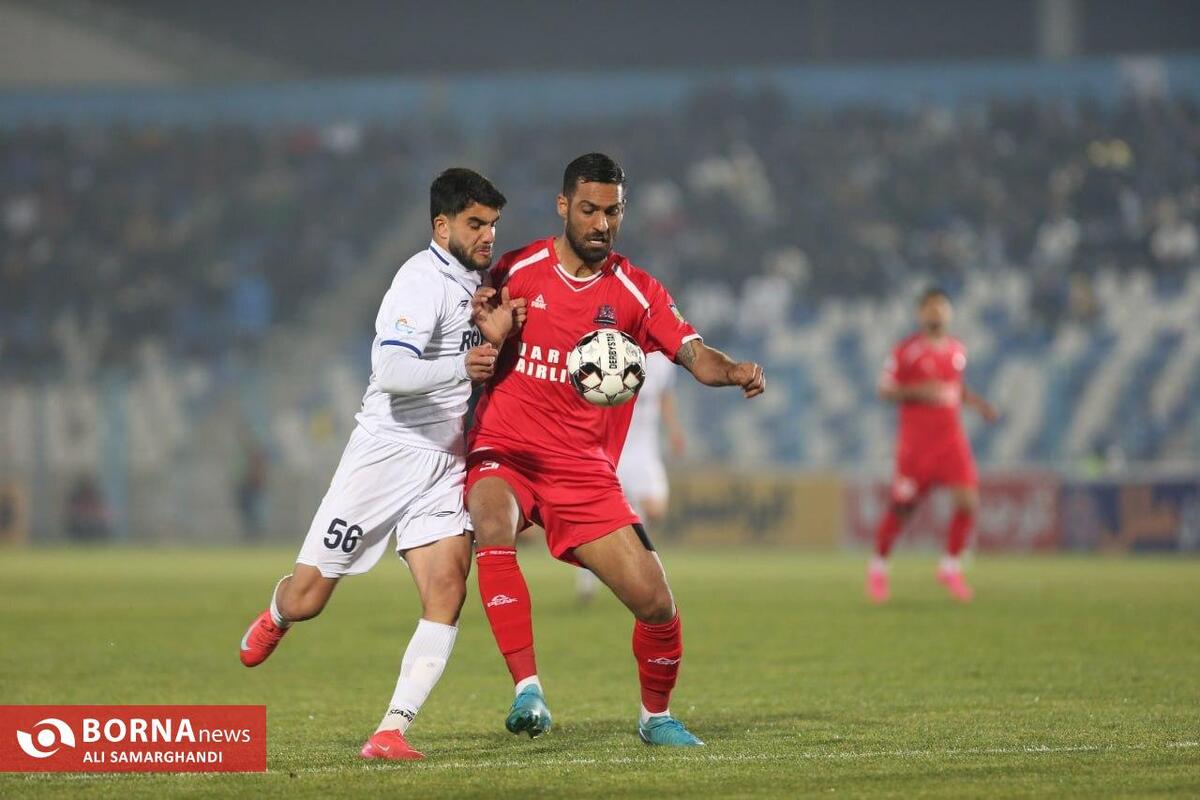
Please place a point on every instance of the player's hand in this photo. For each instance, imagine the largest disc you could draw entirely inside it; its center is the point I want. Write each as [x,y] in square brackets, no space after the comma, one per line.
[515,307]
[935,393]
[678,444]
[988,412]
[750,377]
[481,362]
[496,314]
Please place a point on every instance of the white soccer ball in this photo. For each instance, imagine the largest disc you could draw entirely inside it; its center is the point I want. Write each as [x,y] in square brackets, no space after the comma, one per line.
[607,367]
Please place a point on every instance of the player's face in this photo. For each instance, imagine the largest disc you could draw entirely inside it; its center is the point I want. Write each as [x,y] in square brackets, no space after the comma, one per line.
[935,315]
[593,215]
[470,235]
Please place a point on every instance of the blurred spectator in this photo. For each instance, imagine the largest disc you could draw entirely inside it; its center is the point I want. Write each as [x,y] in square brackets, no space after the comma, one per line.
[1174,242]
[88,516]
[251,487]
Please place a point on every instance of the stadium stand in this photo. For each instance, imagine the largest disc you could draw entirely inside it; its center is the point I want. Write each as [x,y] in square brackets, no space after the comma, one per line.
[152,278]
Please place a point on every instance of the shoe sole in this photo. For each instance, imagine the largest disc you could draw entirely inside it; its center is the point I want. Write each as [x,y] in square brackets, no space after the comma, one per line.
[416,757]
[529,723]
[646,740]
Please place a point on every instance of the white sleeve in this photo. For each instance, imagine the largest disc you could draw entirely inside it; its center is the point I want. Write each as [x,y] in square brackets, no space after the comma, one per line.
[407,319]
[409,312]
[398,371]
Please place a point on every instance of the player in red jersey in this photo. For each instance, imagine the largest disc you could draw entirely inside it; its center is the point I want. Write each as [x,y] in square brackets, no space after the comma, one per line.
[540,454]
[924,376]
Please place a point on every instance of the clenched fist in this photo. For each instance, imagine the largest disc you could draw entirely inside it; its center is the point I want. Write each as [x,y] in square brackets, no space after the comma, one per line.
[750,377]
[481,362]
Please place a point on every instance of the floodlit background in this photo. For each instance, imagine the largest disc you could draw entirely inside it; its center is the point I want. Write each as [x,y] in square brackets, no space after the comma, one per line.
[201,205]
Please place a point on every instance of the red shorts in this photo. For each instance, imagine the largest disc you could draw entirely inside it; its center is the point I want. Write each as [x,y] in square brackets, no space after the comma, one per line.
[921,467]
[576,500]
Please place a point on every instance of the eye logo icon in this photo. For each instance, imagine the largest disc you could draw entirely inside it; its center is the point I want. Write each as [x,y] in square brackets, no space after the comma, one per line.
[54,736]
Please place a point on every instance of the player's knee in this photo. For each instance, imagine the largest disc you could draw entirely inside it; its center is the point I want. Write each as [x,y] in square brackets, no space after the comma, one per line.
[656,607]
[493,529]
[444,603]
[967,502]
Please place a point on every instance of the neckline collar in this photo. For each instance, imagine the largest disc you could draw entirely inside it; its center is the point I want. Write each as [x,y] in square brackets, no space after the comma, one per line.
[609,261]
[445,259]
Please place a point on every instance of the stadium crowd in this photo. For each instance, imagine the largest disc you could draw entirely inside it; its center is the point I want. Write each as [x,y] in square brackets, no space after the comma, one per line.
[201,238]
[742,196]
[205,237]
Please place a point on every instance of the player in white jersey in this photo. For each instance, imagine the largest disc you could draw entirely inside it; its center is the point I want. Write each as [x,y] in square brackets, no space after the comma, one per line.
[642,473]
[402,472]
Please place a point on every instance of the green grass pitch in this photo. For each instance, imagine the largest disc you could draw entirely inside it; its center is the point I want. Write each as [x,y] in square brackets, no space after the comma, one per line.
[1066,677]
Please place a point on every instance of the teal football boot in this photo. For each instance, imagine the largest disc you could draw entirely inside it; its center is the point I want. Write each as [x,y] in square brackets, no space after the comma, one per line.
[529,713]
[667,731]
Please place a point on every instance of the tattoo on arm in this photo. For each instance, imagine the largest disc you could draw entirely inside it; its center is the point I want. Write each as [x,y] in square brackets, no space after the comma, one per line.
[686,356]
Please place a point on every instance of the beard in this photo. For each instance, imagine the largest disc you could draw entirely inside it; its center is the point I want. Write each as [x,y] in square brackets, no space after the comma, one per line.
[465,257]
[591,253]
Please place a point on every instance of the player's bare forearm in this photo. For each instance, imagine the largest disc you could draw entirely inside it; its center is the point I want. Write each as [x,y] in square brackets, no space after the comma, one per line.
[929,392]
[980,404]
[713,368]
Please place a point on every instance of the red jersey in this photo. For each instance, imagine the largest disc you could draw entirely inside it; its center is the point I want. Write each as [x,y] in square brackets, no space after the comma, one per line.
[530,405]
[917,360]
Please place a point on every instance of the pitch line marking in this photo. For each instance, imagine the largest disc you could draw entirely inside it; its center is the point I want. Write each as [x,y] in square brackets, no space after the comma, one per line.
[751,757]
[651,759]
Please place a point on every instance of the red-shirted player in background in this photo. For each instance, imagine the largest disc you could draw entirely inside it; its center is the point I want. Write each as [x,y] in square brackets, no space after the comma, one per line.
[924,376]
[539,453]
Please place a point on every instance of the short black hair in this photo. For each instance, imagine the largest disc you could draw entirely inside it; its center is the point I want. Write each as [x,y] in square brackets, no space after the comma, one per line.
[931,293]
[591,168]
[457,188]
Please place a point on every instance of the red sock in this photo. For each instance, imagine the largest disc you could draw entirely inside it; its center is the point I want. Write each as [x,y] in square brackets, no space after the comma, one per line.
[960,530]
[886,533]
[658,650]
[506,603]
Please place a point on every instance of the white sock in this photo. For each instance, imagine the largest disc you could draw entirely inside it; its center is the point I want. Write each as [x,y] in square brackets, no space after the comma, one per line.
[950,564]
[878,564]
[424,660]
[532,680]
[276,617]
[645,715]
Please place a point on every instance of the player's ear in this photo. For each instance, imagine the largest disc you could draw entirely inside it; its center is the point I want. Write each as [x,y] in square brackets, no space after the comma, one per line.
[564,205]
[441,227]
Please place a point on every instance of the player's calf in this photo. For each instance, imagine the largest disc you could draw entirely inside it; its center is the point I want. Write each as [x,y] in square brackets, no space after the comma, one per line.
[302,595]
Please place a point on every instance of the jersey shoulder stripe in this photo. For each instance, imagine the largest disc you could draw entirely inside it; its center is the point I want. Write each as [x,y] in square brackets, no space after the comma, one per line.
[540,255]
[631,286]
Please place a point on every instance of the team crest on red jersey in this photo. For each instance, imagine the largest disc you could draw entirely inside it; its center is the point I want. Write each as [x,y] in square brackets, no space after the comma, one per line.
[606,315]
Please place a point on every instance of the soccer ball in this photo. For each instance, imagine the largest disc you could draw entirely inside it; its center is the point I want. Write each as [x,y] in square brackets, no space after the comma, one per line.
[607,367]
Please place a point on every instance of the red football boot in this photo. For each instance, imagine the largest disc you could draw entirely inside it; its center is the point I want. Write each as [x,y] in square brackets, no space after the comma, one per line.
[953,580]
[389,745]
[260,640]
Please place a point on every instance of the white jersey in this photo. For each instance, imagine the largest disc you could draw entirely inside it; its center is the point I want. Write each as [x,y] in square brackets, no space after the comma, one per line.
[644,436]
[427,310]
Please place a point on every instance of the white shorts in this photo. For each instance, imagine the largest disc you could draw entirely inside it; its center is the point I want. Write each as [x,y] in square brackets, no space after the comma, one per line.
[379,488]
[643,477]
